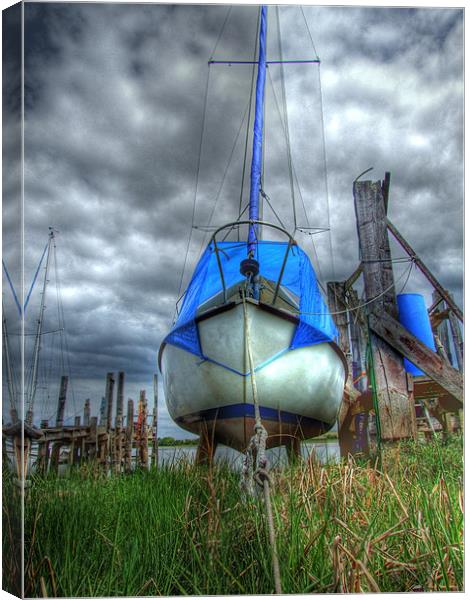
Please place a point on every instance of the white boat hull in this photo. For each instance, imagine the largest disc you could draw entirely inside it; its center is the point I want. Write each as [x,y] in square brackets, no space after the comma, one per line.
[299,391]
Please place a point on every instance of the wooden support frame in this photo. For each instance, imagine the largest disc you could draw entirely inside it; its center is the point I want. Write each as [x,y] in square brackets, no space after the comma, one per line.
[395,400]
[424,269]
[408,345]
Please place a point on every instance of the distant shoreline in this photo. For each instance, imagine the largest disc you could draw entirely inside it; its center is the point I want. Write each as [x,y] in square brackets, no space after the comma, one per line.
[169,442]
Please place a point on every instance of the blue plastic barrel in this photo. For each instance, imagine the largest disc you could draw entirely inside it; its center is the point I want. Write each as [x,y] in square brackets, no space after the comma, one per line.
[413,315]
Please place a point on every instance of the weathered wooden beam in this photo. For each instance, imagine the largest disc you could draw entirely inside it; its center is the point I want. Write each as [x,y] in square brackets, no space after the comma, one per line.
[424,269]
[408,345]
[155,422]
[102,421]
[457,338]
[59,421]
[386,189]
[109,399]
[142,435]
[129,436]
[86,413]
[93,447]
[359,375]
[351,280]
[120,395]
[395,401]
[118,433]
[337,303]
[338,309]
[442,332]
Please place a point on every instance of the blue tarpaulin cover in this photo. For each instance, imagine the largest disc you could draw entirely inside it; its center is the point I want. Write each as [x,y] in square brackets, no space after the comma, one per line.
[315,322]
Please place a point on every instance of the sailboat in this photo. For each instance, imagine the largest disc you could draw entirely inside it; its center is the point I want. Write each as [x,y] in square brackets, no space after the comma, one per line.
[262,293]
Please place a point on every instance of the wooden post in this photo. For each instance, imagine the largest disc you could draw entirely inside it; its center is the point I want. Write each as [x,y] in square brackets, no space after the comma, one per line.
[142,431]
[207,444]
[457,338]
[359,374]
[155,422]
[59,422]
[442,330]
[43,450]
[86,413]
[426,272]
[396,405]
[129,436]
[337,304]
[75,449]
[93,447]
[103,412]
[118,435]
[55,456]
[109,400]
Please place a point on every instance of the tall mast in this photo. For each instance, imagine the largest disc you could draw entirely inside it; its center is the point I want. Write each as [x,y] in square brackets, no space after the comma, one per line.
[256,160]
[37,341]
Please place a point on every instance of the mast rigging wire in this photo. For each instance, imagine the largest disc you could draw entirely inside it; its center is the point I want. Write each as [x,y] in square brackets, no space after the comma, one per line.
[325,161]
[223,179]
[245,155]
[198,168]
[300,191]
[286,119]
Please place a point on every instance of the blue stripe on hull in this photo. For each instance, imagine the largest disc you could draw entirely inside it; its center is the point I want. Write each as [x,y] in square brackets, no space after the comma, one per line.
[234,411]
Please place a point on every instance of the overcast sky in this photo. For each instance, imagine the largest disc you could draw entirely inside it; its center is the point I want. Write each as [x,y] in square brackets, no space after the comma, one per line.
[114,98]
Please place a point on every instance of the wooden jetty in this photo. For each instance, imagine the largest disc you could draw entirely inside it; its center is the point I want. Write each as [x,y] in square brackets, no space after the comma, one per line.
[106,441]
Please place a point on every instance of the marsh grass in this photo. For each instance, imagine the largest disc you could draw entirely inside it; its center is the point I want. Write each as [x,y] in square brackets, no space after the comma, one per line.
[350,527]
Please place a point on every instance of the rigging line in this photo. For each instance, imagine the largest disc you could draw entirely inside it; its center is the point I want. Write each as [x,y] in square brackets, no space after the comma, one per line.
[245,155]
[64,332]
[286,120]
[34,278]
[238,227]
[325,167]
[266,197]
[15,297]
[300,191]
[198,169]
[221,32]
[353,308]
[59,320]
[325,162]
[309,33]
[223,178]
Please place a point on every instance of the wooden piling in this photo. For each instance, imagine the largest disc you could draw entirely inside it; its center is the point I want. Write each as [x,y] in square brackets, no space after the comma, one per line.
[442,330]
[457,338]
[86,413]
[155,422]
[118,433]
[43,451]
[141,433]
[396,404]
[129,436]
[93,447]
[102,421]
[76,444]
[59,422]
[337,305]
[109,400]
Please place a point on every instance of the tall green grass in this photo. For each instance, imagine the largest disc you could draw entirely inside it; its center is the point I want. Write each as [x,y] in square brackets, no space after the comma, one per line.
[184,530]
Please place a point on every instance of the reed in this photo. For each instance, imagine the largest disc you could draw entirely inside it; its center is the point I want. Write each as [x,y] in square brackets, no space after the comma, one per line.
[349,527]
